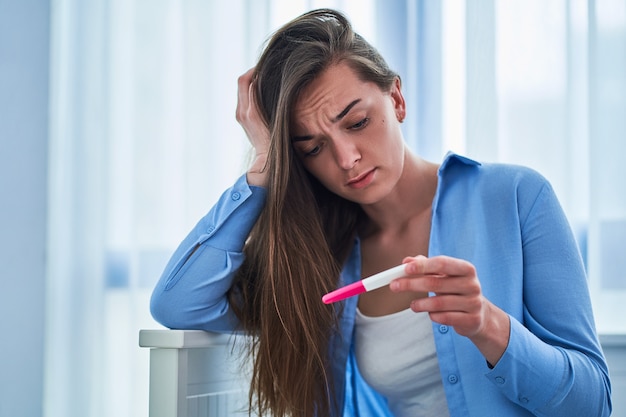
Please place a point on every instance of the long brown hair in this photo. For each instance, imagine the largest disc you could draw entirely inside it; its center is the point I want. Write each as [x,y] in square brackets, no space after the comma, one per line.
[304,234]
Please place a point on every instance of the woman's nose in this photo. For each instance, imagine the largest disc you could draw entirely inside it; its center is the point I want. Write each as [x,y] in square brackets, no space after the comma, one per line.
[347,153]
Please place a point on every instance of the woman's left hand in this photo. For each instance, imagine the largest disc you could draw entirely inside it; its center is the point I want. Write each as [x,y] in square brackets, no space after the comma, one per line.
[458,301]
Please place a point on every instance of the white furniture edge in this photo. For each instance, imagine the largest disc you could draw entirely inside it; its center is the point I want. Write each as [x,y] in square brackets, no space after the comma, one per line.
[181,339]
[169,365]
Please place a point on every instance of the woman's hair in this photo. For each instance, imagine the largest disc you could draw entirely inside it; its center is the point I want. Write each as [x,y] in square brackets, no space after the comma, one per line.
[295,251]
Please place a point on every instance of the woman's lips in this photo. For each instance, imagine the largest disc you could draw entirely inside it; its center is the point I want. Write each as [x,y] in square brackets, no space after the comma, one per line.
[362,180]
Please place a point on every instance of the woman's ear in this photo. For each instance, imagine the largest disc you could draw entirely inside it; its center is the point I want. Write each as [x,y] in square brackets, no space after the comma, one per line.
[398,100]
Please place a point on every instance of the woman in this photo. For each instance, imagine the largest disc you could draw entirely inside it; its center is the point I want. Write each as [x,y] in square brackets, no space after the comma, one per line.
[493,316]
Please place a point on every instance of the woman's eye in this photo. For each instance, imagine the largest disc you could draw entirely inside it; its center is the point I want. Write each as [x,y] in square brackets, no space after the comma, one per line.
[361,124]
[313,151]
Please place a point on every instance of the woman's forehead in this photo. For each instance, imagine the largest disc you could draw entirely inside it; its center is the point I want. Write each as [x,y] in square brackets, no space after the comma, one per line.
[331,93]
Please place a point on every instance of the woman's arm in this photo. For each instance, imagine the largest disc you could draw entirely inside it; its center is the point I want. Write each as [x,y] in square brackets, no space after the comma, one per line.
[554,364]
[191,293]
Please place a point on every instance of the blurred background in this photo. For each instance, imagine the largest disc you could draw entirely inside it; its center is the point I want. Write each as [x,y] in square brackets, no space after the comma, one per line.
[117,133]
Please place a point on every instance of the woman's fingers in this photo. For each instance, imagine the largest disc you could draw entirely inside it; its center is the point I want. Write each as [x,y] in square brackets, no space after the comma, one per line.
[248,115]
[438,265]
[440,274]
[243,93]
[457,299]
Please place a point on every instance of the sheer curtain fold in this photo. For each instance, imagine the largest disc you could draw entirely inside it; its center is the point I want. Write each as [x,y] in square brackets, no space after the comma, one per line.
[607,145]
[142,112]
[77,213]
[142,116]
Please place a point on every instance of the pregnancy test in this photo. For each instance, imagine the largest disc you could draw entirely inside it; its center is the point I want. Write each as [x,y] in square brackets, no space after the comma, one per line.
[368,284]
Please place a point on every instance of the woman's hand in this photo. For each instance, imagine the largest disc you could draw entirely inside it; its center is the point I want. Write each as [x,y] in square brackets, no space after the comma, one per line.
[458,301]
[250,119]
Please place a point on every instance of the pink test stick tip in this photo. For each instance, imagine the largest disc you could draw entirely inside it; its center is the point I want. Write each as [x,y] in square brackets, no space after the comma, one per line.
[344,292]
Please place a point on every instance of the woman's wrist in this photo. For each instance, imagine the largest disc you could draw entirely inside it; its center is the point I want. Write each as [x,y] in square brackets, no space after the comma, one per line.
[494,339]
[257,173]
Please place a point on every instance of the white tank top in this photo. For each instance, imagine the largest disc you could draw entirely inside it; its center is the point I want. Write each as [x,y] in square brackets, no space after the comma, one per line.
[396,356]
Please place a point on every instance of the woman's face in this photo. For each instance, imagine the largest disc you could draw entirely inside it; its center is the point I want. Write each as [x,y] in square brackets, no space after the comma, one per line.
[347,134]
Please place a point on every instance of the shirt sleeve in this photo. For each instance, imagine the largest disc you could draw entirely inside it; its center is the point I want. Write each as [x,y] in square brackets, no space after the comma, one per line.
[191,293]
[553,365]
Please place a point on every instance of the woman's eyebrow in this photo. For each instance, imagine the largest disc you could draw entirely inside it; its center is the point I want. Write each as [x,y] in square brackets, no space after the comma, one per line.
[346,110]
[301,138]
[335,120]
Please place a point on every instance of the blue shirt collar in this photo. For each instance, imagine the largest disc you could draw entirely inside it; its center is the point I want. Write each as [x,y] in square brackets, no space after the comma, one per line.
[453,158]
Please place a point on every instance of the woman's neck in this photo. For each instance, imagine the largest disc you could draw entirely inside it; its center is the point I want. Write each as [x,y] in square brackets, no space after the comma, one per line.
[411,198]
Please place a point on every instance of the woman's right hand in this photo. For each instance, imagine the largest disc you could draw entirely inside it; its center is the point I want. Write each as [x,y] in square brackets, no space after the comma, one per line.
[250,119]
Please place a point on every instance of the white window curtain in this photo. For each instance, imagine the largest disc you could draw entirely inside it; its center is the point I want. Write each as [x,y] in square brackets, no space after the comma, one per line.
[144,139]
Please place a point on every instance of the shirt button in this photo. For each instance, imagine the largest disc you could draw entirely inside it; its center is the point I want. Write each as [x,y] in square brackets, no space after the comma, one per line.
[210,229]
[235,196]
[453,379]
[523,400]
[443,329]
[500,380]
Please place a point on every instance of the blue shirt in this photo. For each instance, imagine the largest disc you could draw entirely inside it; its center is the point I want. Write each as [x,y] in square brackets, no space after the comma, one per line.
[506,221]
